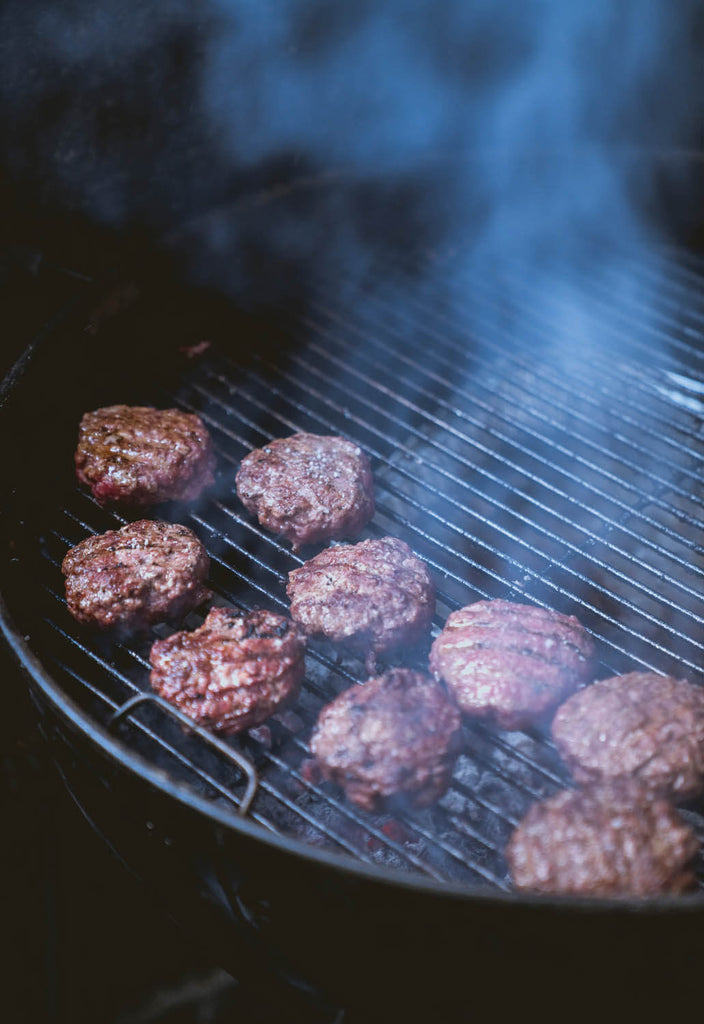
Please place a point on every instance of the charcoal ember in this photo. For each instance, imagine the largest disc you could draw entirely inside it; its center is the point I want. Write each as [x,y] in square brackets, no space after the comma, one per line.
[198,348]
[311,771]
[262,735]
[395,831]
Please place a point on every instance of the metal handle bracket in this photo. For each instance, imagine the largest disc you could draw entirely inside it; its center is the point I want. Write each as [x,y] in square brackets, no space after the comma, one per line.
[216,744]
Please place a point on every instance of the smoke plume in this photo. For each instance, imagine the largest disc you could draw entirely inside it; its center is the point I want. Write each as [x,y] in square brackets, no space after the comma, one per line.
[496,125]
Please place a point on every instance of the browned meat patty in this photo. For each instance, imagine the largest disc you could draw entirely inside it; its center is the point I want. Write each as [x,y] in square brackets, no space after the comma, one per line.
[397,734]
[614,840]
[308,488]
[371,597]
[146,572]
[642,725]
[511,663]
[139,456]
[233,672]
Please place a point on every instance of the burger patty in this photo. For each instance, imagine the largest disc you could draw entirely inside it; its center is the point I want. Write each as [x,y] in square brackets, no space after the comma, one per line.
[140,456]
[642,725]
[603,841]
[308,488]
[144,573]
[371,597]
[511,663]
[397,734]
[233,672]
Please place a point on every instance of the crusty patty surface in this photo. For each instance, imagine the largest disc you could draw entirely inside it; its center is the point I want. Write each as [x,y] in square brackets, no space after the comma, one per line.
[612,840]
[233,672]
[139,456]
[308,488]
[395,735]
[511,663]
[371,597]
[143,573]
[640,725]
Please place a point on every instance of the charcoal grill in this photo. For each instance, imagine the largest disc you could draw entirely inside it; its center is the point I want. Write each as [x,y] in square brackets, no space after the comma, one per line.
[524,454]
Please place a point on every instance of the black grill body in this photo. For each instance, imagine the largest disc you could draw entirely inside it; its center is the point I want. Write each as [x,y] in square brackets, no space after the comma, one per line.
[521,461]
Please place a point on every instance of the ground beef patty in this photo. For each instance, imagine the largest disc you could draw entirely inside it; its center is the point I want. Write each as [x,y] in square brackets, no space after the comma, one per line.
[144,573]
[371,597]
[308,488]
[397,734]
[512,663]
[603,841]
[139,456]
[641,725]
[233,672]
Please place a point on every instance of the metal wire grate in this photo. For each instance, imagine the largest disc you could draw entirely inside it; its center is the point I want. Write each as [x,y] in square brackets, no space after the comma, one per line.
[518,460]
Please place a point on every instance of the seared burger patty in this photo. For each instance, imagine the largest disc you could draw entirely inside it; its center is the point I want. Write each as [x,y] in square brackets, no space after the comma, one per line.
[511,663]
[371,597]
[614,840]
[397,734]
[139,456]
[641,725]
[233,672]
[308,488]
[144,573]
